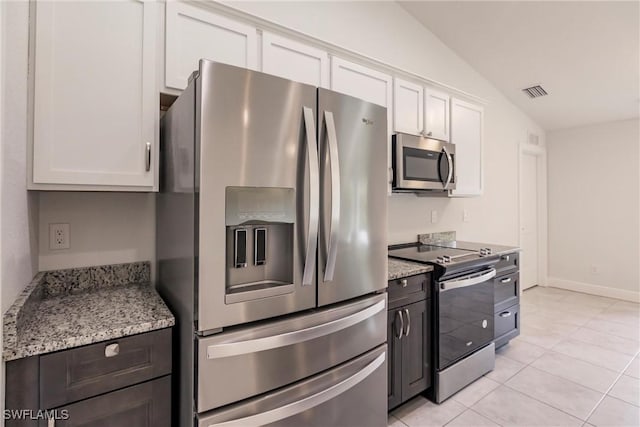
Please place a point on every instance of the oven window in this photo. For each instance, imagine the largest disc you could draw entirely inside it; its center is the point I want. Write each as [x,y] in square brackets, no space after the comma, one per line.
[465,321]
[421,165]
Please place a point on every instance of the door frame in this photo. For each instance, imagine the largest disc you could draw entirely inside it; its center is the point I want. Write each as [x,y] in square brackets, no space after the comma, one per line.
[541,198]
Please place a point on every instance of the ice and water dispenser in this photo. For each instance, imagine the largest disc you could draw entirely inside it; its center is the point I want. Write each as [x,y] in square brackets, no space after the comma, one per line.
[259,249]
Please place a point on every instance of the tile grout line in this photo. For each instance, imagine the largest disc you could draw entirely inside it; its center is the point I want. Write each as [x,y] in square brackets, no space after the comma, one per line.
[606,393]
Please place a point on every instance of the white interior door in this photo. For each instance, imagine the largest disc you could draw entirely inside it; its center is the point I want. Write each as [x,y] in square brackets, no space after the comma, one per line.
[529,222]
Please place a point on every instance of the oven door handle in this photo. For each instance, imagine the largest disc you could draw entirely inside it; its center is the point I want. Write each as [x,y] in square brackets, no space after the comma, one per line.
[470,280]
[450,167]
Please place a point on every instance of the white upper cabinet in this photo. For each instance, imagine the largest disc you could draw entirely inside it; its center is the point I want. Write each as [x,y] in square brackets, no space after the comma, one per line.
[294,60]
[466,133]
[408,102]
[193,33]
[95,101]
[420,111]
[436,122]
[362,82]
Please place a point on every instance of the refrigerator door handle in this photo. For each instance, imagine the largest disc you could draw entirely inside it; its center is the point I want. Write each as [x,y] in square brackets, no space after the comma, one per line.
[314,197]
[216,351]
[335,196]
[306,403]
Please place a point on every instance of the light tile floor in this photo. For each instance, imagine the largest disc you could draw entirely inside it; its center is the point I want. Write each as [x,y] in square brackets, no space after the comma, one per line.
[575,363]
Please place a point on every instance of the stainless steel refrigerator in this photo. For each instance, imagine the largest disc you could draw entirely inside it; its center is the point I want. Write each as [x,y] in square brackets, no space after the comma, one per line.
[272,251]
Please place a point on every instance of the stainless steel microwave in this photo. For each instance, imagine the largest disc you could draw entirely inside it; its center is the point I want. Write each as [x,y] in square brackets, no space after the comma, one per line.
[422,164]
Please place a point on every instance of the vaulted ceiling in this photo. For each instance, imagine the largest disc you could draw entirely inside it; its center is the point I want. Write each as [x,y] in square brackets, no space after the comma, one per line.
[585,54]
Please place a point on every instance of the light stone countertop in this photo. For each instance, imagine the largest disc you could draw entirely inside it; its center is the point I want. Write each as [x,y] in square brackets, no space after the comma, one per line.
[70,308]
[399,268]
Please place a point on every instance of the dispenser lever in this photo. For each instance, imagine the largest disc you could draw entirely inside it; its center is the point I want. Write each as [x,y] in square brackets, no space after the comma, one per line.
[240,248]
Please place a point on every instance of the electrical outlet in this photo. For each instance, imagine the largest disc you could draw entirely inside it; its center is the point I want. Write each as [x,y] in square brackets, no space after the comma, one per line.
[434,217]
[58,236]
[465,215]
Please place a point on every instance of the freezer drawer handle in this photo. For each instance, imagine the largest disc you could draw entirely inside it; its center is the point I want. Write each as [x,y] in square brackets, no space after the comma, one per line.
[335,196]
[216,351]
[293,408]
[470,280]
[314,197]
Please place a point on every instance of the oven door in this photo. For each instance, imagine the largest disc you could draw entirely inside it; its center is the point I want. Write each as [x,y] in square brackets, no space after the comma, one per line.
[465,315]
[423,163]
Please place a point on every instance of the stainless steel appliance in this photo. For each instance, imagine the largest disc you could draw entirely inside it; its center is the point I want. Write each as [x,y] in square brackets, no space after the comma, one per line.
[463,313]
[422,165]
[271,228]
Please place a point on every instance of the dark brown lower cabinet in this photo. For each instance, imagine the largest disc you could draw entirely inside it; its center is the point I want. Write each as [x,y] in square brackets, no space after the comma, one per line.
[142,405]
[115,383]
[409,351]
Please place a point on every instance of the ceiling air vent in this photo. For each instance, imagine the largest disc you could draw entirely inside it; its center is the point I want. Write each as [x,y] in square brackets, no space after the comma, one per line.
[535,91]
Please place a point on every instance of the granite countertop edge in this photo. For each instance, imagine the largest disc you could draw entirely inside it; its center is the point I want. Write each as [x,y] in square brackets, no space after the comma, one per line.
[399,269]
[53,289]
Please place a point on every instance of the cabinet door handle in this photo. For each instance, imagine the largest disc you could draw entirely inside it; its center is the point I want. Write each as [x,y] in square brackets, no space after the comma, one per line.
[404,283]
[507,280]
[148,157]
[505,314]
[406,333]
[399,334]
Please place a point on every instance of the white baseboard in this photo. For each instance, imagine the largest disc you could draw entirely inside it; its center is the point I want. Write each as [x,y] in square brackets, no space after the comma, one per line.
[589,288]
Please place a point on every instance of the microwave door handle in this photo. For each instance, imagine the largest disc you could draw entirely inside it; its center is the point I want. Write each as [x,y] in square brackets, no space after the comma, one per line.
[335,196]
[450,164]
[314,197]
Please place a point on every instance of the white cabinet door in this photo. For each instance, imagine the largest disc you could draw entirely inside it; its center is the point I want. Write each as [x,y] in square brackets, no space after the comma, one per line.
[362,82]
[436,114]
[294,60]
[95,97]
[369,85]
[466,133]
[193,33]
[408,104]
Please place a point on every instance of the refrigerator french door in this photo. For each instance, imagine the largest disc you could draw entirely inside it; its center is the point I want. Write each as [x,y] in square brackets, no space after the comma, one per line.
[352,255]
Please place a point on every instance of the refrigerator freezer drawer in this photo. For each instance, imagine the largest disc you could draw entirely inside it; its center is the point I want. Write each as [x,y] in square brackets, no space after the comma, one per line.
[353,394]
[251,360]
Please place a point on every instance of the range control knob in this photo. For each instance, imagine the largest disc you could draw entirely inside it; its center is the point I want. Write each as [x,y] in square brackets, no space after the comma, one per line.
[440,260]
[446,258]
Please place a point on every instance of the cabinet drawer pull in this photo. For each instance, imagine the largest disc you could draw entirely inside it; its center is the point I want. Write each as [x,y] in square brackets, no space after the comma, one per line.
[404,283]
[505,314]
[505,257]
[112,350]
[507,280]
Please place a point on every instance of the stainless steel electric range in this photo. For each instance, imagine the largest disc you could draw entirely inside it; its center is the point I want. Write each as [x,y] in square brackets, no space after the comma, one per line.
[463,310]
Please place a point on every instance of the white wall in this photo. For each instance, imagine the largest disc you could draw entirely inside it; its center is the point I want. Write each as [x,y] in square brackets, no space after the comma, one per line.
[105,228]
[594,208]
[18,210]
[386,32]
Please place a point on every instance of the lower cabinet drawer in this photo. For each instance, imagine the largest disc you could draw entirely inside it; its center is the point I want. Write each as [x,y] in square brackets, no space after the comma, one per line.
[146,404]
[408,290]
[71,375]
[507,325]
[506,290]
